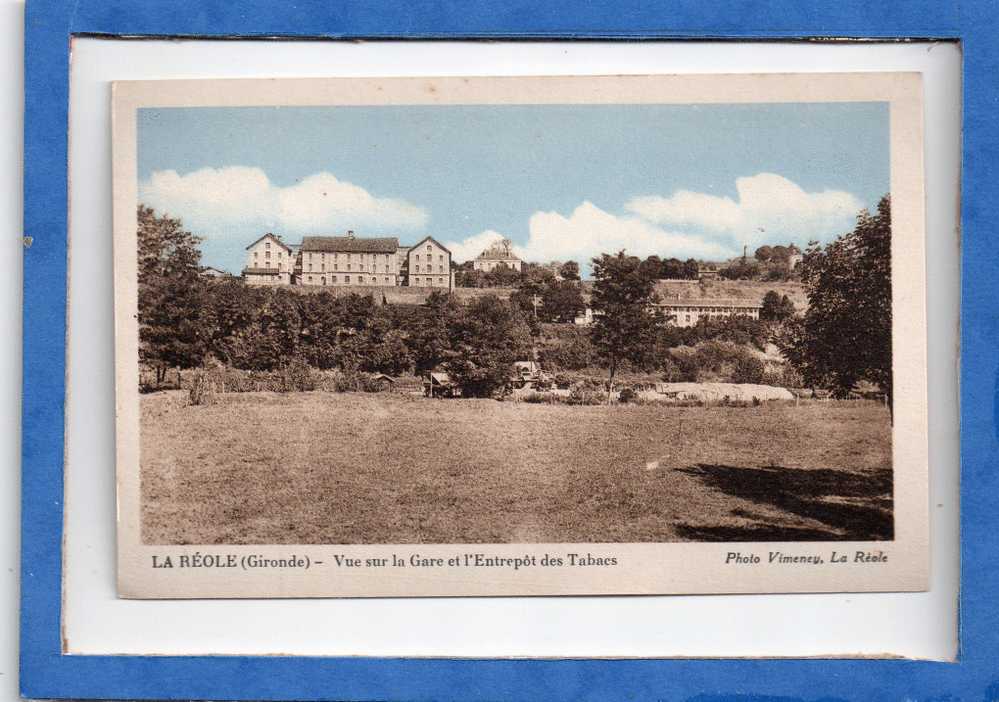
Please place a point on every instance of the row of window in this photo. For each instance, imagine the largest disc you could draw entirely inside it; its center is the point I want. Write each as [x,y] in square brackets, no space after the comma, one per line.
[361,280]
[350,256]
[710,310]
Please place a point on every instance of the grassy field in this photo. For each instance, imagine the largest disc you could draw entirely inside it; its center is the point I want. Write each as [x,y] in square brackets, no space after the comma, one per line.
[390,468]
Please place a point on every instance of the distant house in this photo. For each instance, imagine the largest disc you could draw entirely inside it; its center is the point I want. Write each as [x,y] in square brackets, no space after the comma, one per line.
[210,272]
[269,261]
[686,313]
[349,260]
[429,265]
[500,253]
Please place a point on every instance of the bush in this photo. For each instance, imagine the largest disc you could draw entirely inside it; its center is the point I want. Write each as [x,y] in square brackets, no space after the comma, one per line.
[202,390]
[539,398]
[580,395]
[297,376]
[627,395]
[713,361]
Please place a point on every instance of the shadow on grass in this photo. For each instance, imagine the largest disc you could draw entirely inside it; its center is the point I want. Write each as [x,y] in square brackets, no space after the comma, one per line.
[854,507]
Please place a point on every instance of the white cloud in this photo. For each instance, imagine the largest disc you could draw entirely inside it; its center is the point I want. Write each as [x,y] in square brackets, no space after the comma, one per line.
[590,231]
[242,202]
[770,209]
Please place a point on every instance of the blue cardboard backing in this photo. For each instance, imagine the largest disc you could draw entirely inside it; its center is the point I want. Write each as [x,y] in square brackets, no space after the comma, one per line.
[46,673]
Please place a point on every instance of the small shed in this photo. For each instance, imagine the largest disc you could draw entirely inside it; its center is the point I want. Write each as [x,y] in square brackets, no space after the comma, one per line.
[439,384]
[382,381]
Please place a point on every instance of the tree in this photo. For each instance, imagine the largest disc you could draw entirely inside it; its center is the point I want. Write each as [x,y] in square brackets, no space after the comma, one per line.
[561,301]
[776,308]
[171,292]
[845,336]
[569,270]
[625,318]
[764,253]
[485,340]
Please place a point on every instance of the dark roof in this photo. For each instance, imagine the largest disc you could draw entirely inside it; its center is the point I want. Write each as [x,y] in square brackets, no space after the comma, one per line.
[494,254]
[430,238]
[386,244]
[261,271]
[708,302]
[275,237]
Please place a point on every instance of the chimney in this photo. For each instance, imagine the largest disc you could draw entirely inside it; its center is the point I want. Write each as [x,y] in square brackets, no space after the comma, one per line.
[350,233]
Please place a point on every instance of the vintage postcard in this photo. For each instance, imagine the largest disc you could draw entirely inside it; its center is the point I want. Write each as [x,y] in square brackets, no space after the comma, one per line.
[520,336]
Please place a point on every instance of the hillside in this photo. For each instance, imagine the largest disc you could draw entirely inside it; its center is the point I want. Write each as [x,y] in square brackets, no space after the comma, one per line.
[751,290]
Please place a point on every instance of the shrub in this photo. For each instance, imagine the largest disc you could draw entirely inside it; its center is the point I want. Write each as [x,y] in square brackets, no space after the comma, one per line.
[297,376]
[202,391]
[627,395]
[580,395]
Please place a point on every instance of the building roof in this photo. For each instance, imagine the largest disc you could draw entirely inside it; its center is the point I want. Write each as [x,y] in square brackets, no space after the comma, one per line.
[273,237]
[496,255]
[430,238]
[351,244]
[261,271]
[707,302]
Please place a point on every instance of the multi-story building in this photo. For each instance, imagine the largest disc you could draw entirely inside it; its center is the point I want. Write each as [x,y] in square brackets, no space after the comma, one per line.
[429,265]
[686,313]
[269,261]
[349,260]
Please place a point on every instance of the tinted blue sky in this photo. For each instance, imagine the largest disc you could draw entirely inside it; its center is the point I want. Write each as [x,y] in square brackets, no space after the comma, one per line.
[457,171]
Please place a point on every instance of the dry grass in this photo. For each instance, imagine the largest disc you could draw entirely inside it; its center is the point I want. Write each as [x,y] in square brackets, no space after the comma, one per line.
[353,468]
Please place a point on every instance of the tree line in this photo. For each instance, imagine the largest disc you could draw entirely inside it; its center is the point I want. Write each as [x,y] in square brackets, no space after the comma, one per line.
[186,318]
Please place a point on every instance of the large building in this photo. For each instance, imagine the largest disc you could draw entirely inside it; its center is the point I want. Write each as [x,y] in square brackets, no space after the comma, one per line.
[349,260]
[429,265]
[269,261]
[686,313]
[499,254]
[337,261]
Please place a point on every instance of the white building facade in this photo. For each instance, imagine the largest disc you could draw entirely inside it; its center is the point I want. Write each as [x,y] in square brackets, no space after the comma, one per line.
[269,261]
[429,265]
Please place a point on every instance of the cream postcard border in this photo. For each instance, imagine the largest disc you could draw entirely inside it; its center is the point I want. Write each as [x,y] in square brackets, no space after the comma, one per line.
[693,568]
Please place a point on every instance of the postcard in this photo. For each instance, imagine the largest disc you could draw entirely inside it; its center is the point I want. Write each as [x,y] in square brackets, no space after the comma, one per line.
[498,336]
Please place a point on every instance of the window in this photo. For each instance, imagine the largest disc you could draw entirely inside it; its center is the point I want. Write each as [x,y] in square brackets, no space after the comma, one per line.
[440,281]
[267,245]
[267,254]
[441,258]
[346,279]
[428,248]
[417,267]
[323,279]
[310,278]
[333,279]
[310,270]
[335,267]
[417,257]
[348,266]
[386,280]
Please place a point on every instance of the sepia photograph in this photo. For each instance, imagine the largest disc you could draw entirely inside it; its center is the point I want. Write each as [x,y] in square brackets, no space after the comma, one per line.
[519,319]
